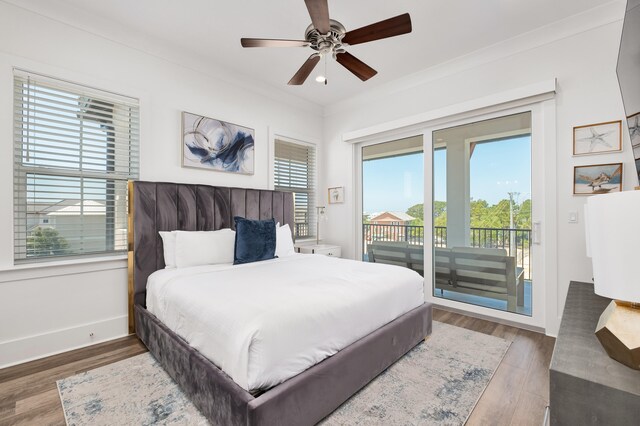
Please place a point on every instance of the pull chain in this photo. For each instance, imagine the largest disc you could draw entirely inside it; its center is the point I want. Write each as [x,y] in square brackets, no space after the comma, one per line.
[325,70]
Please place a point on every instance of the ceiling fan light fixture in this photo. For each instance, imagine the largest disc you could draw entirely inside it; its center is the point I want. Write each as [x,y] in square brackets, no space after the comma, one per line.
[328,37]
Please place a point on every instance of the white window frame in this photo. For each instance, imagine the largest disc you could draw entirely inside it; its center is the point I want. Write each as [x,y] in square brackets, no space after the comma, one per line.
[303,141]
[21,170]
[538,319]
[538,98]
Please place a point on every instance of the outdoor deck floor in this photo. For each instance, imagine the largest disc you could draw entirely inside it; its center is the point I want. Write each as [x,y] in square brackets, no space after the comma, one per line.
[488,302]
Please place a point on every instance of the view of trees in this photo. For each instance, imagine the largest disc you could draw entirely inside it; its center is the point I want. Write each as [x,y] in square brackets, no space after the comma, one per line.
[46,242]
[483,215]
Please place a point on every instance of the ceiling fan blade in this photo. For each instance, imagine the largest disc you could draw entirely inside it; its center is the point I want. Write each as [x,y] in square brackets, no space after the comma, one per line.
[267,42]
[361,70]
[305,70]
[319,12]
[388,28]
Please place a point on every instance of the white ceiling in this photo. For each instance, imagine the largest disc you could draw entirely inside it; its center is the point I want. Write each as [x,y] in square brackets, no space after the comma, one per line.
[442,31]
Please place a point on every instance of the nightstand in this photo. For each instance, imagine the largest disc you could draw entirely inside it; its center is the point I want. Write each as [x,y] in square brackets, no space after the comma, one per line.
[325,249]
[587,387]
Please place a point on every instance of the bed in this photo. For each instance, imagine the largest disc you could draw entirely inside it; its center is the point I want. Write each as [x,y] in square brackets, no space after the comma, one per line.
[277,388]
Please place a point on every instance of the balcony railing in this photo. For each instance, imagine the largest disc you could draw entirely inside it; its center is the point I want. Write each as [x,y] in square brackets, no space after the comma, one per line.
[516,242]
[409,233]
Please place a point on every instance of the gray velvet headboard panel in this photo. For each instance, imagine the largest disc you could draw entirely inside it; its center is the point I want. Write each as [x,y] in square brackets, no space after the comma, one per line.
[158,206]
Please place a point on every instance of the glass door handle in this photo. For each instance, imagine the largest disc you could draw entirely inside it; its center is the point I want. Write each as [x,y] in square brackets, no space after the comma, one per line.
[537,234]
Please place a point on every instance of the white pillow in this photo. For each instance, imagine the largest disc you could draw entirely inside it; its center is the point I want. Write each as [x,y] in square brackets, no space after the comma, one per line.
[169,248]
[204,247]
[284,243]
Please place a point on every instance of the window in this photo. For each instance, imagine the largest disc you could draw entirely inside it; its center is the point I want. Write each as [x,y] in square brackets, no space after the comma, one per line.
[75,148]
[295,170]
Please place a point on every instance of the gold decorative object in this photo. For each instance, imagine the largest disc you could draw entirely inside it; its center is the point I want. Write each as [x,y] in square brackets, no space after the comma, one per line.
[619,332]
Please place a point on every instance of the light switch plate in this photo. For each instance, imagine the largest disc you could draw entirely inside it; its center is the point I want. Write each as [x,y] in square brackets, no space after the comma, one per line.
[573,217]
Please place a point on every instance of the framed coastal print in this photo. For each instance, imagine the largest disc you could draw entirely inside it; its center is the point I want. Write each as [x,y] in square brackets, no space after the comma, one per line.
[597,179]
[217,145]
[336,195]
[597,138]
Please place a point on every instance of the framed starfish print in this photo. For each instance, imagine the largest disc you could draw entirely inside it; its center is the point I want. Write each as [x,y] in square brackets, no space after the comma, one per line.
[597,138]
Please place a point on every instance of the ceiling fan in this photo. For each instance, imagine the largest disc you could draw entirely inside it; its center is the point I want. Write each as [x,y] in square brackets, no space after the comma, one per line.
[327,36]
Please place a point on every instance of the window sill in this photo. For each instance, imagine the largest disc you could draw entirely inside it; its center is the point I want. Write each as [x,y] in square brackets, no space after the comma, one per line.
[27,271]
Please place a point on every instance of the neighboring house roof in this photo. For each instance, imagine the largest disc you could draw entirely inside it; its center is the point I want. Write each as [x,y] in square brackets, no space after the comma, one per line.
[37,207]
[403,217]
[76,207]
[39,225]
[372,215]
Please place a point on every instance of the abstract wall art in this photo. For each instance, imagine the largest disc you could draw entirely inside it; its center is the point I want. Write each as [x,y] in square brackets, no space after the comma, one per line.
[213,144]
[597,138]
[597,179]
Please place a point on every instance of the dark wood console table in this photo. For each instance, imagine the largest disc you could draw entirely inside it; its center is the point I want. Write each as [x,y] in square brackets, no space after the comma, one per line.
[586,386]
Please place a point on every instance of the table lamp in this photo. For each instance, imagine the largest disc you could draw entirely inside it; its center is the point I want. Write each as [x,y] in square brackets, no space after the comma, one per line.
[613,239]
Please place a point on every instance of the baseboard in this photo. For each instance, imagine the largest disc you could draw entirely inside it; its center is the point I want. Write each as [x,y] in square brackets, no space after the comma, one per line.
[30,348]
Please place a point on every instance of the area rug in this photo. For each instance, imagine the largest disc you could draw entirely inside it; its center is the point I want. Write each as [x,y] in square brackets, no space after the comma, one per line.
[436,383]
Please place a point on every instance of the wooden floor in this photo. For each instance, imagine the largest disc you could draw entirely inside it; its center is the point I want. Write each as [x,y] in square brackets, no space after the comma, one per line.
[517,394]
[519,390]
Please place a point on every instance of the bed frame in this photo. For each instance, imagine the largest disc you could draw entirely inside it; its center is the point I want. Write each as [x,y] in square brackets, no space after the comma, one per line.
[302,400]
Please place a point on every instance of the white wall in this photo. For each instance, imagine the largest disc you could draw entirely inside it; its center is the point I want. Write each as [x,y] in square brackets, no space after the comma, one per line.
[54,308]
[581,52]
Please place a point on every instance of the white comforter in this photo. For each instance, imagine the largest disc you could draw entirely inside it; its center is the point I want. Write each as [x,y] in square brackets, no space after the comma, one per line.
[265,322]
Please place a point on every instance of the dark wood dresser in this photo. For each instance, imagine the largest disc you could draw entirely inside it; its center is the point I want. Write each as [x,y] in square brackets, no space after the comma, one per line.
[586,386]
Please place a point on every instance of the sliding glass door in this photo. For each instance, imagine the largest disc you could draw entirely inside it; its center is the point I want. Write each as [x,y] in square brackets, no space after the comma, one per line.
[482,213]
[469,203]
[393,203]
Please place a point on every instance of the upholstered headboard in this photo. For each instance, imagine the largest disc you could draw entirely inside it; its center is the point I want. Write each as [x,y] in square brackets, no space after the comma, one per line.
[157,206]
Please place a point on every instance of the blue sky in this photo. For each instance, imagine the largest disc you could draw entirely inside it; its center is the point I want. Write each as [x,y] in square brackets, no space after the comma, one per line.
[395,184]
[501,167]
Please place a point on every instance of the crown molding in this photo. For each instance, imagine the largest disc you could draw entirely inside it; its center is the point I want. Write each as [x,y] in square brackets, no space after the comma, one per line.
[66,14]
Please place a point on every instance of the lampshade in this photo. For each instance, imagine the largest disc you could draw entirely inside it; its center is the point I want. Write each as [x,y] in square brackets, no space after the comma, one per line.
[613,240]
[321,216]
[586,229]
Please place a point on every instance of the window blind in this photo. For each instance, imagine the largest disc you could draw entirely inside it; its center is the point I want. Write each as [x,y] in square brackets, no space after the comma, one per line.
[75,148]
[295,171]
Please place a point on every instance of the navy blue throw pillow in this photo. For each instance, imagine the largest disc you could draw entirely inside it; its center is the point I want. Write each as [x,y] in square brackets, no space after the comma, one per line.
[255,240]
